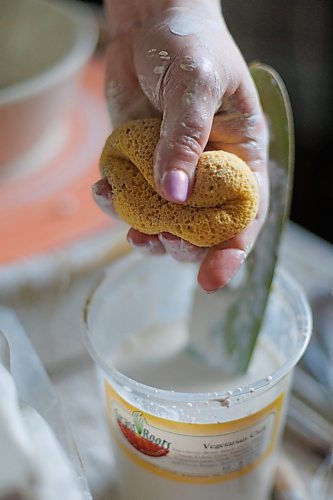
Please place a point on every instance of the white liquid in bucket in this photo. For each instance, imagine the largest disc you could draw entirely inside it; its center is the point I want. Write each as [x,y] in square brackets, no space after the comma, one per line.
[158,357]
[245,453]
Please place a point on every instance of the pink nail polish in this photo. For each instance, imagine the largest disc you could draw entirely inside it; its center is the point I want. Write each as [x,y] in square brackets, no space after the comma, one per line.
[175,184]
[102,188]
[102,195]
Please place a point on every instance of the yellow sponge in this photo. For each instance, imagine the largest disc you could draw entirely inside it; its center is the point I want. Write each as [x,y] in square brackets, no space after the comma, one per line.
[223,202]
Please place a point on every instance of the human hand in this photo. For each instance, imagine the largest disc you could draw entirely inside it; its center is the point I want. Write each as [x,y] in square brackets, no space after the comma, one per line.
[180,61]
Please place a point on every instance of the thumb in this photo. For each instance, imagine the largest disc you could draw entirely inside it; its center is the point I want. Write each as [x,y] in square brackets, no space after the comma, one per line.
[188,107]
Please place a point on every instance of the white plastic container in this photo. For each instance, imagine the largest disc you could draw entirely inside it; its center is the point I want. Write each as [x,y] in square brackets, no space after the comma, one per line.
[44,46]
[180,429]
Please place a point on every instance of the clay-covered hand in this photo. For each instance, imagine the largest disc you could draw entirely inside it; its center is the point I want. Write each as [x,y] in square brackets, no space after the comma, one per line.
[177,60]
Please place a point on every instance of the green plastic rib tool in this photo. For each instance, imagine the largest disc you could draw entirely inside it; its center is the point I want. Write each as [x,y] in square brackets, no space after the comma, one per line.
[224,326]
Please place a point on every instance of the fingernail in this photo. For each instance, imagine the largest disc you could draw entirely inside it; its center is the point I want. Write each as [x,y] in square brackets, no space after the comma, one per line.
[236,259]
[174,185]
[180,249]
[173,245]
[101,188]
[239,254]
[102,195]
[168,238]
[151,247]
[222,266]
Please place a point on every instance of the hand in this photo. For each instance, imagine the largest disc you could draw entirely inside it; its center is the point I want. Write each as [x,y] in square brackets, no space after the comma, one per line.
[184,65]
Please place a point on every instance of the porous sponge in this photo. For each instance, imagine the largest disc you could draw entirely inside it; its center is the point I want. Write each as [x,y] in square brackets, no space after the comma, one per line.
[224,199]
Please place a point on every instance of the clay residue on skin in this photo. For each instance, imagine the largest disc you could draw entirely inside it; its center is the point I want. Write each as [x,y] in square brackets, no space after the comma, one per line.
[185,23]
[180,249]
[122,108]
[187,67]
[158,70]
[164,55]
[196,93]
[114,97]
[188,63]
[188,98]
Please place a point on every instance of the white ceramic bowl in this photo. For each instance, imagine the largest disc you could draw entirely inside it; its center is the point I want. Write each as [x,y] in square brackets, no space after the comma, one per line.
[44,46]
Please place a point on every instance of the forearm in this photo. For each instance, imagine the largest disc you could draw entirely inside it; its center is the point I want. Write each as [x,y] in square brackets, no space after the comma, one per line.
[124,15]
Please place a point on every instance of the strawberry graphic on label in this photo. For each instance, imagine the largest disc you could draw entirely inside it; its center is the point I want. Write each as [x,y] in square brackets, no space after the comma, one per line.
[136,438]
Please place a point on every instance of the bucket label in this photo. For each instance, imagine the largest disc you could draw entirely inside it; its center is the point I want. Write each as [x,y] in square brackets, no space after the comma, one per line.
[190,452]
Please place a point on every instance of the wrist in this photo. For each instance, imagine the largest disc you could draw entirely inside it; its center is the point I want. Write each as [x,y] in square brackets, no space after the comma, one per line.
[123,16]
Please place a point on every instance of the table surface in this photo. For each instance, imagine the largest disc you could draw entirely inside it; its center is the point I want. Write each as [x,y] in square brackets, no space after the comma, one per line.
[307,257]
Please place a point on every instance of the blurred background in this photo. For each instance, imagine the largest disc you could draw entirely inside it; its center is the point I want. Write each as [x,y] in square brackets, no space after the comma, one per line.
[55,242]
[295,37]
